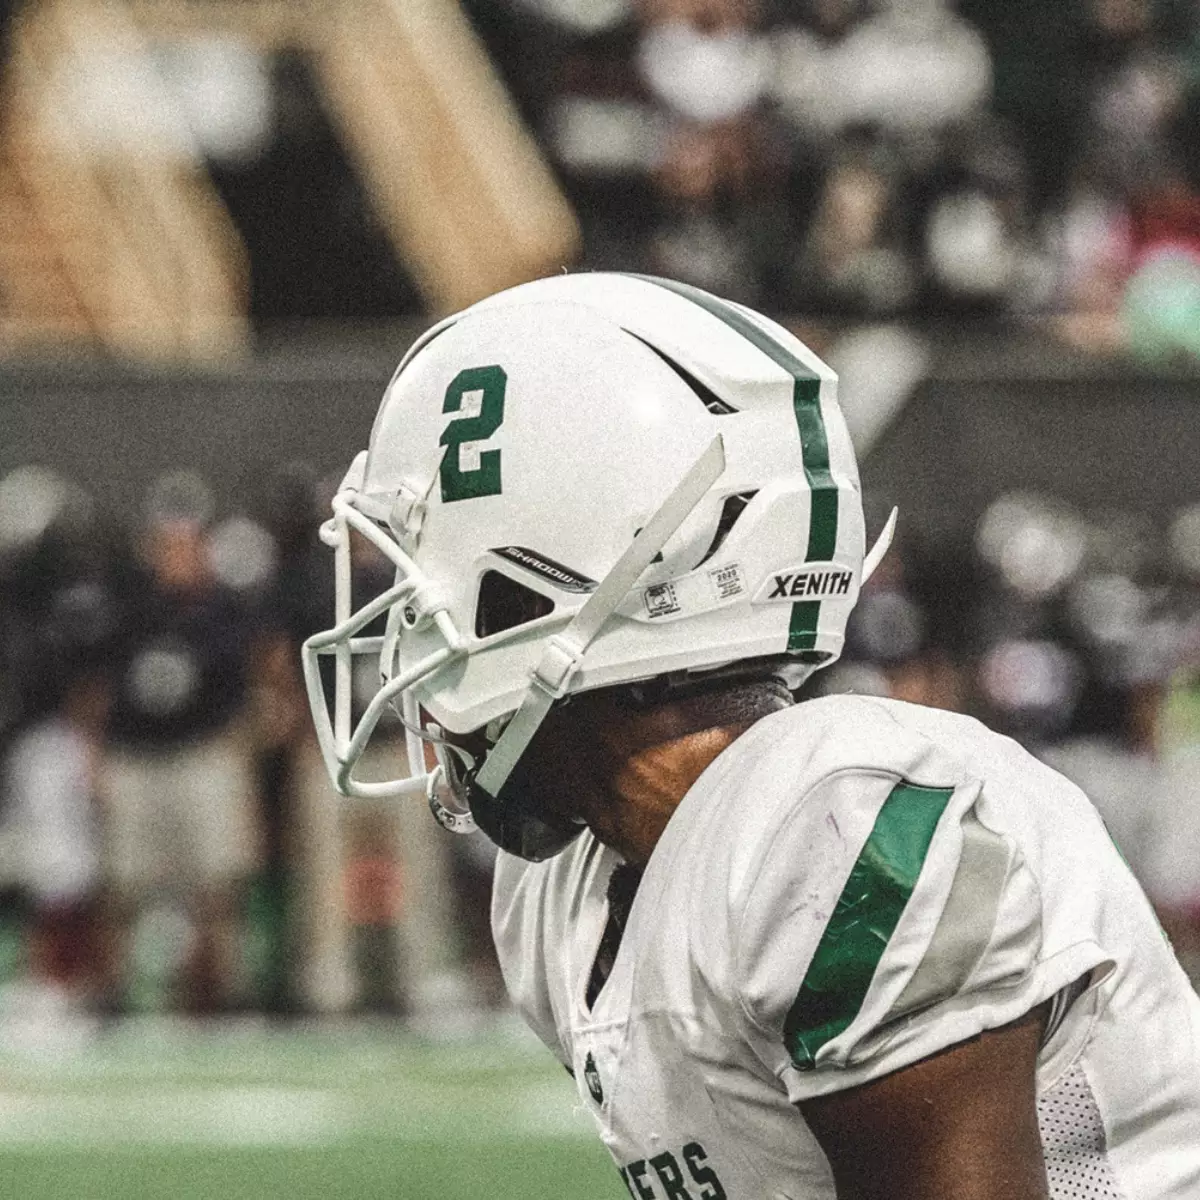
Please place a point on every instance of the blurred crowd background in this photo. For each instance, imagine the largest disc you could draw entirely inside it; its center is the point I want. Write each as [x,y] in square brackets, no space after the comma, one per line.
[222,225]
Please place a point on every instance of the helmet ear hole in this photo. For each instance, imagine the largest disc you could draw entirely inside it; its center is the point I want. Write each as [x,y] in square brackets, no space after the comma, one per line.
[503,603]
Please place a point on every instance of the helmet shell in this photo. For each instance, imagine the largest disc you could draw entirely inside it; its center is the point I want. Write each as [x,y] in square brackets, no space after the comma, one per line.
[540,429]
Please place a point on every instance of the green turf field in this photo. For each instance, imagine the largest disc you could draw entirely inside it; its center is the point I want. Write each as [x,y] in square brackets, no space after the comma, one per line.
[250,1113]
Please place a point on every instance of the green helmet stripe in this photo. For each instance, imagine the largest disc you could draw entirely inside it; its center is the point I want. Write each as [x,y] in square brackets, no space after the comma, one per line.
[814,443]
[802,628]
[865,917]
[814,446]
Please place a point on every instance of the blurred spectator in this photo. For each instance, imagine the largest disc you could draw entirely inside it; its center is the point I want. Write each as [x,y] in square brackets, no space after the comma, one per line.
[911,68]
[1112,747]
[658,124]
[852,261]
[904,638]
[904,157]
[1092,242]
[278,719]
[180,793]
[52,834]
[1132,87]
[356,944]
[704,61]
[1136,748]
[711,229]
[1162,301]
[1172,872]
[373,899]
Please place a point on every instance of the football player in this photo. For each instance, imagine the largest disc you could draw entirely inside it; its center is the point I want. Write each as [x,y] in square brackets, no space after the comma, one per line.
[847,948]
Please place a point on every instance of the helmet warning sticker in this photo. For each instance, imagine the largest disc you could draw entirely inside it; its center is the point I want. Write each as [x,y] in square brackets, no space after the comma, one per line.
[662,600]
[695,593]
[813,581]
[727,581]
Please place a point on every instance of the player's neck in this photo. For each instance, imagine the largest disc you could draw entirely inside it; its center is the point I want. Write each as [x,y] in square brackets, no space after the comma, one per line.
[648,787]
[654,757]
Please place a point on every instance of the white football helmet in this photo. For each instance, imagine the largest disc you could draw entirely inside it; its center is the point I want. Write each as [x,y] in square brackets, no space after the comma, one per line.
[586,481]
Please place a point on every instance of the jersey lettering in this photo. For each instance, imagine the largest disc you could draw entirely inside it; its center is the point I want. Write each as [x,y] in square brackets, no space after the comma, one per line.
[635,1180]
[669,1174]
[705,1176]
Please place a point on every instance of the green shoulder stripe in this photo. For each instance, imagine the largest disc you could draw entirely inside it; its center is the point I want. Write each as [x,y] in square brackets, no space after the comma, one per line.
[867,913]
[814,444]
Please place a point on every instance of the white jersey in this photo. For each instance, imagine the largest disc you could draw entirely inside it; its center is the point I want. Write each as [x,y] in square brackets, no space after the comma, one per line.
[853,885]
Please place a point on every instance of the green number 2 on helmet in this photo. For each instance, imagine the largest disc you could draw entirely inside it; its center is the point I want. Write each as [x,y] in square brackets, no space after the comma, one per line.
[484,480]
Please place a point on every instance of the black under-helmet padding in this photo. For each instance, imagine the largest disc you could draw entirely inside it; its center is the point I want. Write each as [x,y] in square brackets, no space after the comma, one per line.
[513,824]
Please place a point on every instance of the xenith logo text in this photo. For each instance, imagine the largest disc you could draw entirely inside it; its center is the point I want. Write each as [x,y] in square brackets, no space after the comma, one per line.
[806,583]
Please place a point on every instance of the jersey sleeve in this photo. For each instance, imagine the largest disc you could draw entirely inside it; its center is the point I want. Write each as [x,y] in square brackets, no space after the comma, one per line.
[890,918]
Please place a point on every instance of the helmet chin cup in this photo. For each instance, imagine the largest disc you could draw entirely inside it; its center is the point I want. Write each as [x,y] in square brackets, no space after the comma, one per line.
[511,822]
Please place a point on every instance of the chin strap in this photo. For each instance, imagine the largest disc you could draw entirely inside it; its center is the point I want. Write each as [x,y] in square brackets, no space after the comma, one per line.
[551,678]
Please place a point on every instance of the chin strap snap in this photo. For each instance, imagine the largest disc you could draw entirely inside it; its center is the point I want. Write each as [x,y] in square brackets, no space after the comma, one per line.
[447,776]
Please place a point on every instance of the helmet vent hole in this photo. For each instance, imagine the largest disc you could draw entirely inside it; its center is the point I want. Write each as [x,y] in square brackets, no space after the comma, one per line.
[503,603]
[708,397]
[733,508]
